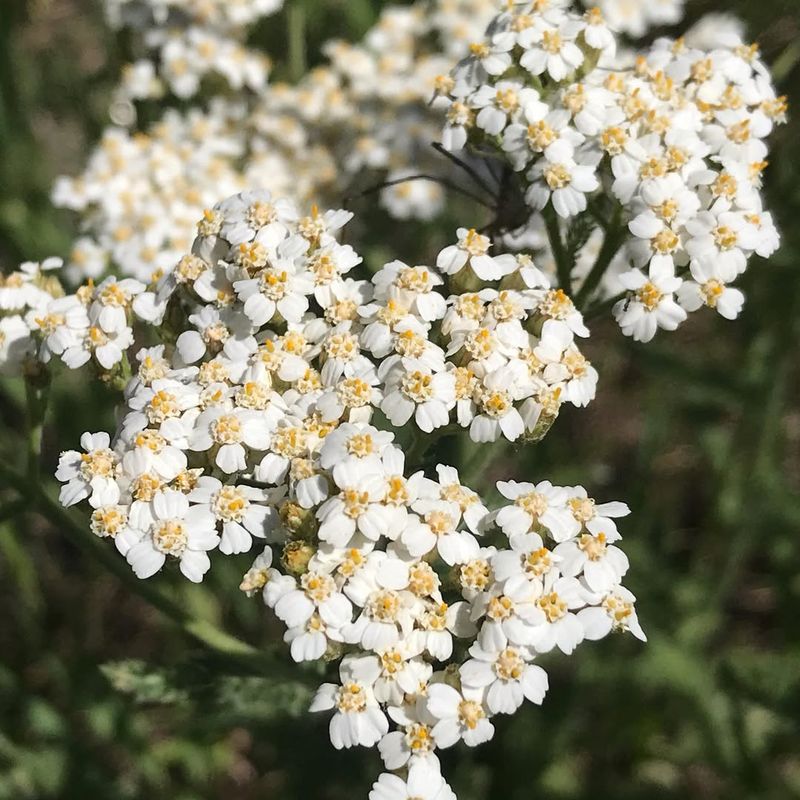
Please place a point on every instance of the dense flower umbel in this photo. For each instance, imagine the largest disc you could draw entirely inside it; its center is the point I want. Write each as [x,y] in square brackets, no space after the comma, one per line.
[254,421]
[674,146]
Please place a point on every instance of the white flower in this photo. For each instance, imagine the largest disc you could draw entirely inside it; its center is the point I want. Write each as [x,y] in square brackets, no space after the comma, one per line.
[562,628]
[602,564]
[414,390]
[452,490]
[91,474]
[357,507]
[536,504]
[460,716]
[111,301]
[238,509]
[560,177]
[424,782]
[437,529]
[15,344]
[357,719]
[551,49]
[171,527]
[615,612]
[709,288]
[280,288]
[231,431]
[472,250]
[649,304]
[315,593]
[506,674]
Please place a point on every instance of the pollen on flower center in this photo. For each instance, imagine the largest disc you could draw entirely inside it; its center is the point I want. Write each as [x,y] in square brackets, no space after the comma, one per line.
[151,440]
[50,323]
[440,522]
[145,486]
[162,405]
[351,698]
[417,386]
[230,504]
[711,291]
[253,395]
[533,503]
[355,502]
[260,214]
[360,445]
[480,344]
[418,738]
[618,610]
[538,562]
[108,520]
[455,493]
[593,546]
[649,296]
[500,608]
[391,662]
[509,665]
[324,269]
[540,135]
[169,537]
[352,563]
[556,304]
[422,579]
[274,283]
[396,490]
[475,574]
[496,404]
[227,429]
[553,606]
[506,100]
[474,243]
[551,42]
[317,586]
[665,241]
[582,508]
[384,606]
[354,392]
[409,343]
[725,237]
[414,279]
[470,713]
[98,463]
[113,295]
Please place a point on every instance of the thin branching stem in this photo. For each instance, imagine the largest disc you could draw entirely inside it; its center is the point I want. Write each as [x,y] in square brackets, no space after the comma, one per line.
[563,266]
[39,499]
[612,241]
[423,177]
[471,171]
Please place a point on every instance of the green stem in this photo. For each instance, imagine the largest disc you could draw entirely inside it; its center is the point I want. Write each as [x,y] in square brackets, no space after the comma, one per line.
[36,396]
[601,308]
[612,241]
[201,630]
[563,267]
[296,34]
[422,443]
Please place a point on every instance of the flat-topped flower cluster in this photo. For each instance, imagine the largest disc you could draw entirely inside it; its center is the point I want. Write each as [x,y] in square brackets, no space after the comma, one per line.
[267,414]
[673,148]
[185,41]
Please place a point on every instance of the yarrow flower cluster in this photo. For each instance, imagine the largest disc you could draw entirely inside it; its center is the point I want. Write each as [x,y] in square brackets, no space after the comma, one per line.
[185,41]
[256,419]
[365,111]
[673,148]
[294,393]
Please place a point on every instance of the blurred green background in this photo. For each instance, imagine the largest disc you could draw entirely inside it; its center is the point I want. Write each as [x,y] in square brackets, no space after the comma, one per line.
[103,693]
